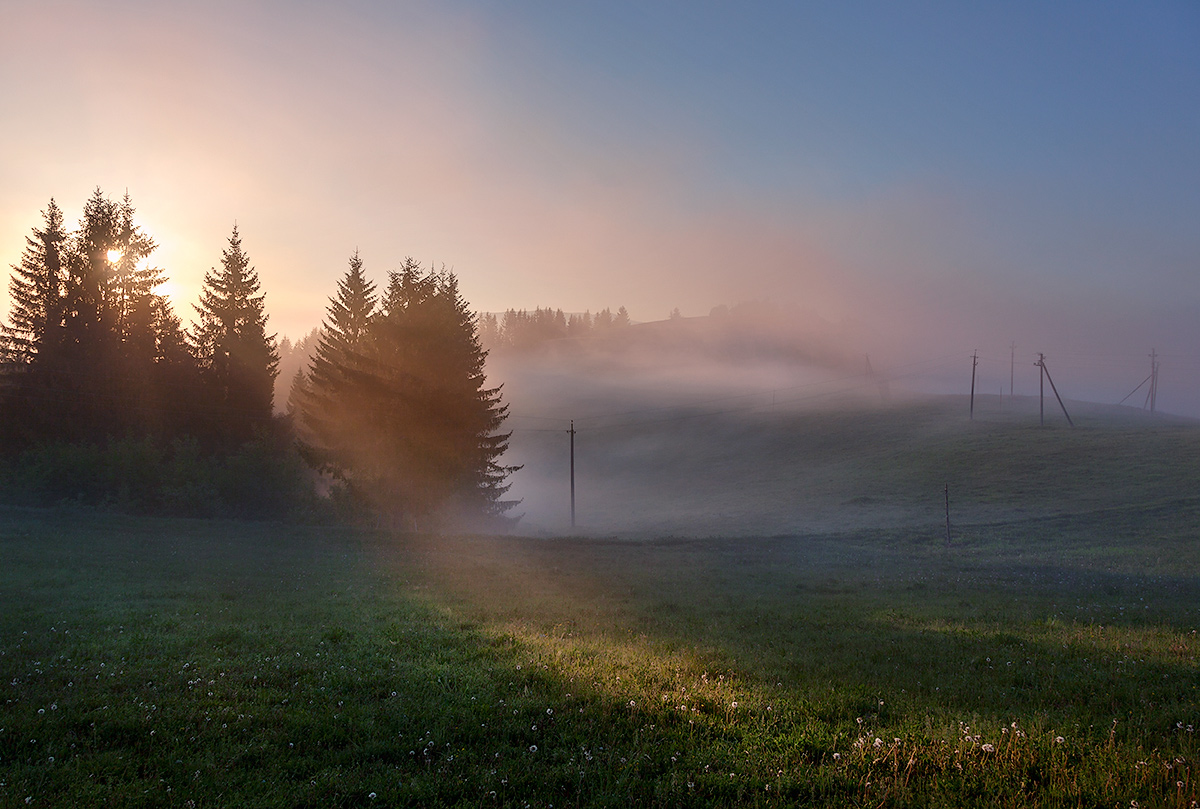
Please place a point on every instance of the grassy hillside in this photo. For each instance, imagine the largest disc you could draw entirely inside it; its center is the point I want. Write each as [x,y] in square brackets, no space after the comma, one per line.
[740,466]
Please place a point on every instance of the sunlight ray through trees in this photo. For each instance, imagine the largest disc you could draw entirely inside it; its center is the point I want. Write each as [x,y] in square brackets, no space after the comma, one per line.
[395,405]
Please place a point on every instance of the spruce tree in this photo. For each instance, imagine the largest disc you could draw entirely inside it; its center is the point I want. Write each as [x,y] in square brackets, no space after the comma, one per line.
[476,481]
[345,334]
[411,425]
[237,357]
[131,295]
[105,287]
[328,396]
[34,290]
[98,349]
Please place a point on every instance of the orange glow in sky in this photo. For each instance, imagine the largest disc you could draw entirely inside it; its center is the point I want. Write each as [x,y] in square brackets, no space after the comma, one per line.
[913,177]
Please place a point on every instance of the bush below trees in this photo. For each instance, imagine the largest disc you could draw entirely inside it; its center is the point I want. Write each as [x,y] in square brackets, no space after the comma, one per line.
[262,479]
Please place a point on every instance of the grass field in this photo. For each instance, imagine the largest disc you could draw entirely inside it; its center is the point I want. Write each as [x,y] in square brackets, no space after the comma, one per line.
[1048,657]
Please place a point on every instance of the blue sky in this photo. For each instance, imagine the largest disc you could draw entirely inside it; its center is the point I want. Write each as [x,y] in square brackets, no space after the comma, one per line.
[945,176]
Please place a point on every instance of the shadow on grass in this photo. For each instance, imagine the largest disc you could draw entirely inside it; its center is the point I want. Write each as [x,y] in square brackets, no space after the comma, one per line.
[996,635]
[166,663]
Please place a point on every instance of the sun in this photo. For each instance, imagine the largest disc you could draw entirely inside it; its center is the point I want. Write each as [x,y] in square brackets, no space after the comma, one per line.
[114,256]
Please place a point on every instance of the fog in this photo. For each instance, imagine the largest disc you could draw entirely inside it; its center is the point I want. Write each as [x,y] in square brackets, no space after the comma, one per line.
[751,422]
[909,188]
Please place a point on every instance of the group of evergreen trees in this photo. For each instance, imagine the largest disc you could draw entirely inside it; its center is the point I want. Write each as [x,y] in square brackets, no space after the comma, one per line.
[92,351]
[395,404]
[524,329]
[394,407]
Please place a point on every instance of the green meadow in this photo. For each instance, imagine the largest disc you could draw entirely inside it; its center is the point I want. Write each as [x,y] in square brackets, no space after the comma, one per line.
[1046,656]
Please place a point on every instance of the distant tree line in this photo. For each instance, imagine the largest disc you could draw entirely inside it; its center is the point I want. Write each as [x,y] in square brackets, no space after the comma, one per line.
[523,329]
[106,398]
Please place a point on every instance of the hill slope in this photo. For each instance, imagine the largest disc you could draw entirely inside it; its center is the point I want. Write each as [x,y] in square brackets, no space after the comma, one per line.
[738,465]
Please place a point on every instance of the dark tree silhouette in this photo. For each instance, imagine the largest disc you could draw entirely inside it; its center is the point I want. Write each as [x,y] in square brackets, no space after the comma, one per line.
[346,332]
[101,399]
[324,400]
[408,422]
[105,288]
[93,349]
[237,357]
[579,325]
[34,289]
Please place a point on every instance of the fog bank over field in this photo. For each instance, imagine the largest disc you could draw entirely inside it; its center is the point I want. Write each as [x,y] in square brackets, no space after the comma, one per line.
[721,426]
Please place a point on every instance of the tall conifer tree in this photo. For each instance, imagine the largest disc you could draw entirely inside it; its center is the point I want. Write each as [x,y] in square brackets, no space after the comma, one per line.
[34,290]
[328,395]
[412,426]
[236,355]
[346,332]
[94,339]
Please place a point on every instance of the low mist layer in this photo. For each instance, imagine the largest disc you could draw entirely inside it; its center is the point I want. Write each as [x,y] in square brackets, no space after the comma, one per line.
[727,439]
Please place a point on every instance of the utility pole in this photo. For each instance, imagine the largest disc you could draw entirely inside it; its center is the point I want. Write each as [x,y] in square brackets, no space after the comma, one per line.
[881,381]
[572,434]
[1041,363]
[947,515]
[1046,374]
[1012,369]
[974,365]
[1152,395]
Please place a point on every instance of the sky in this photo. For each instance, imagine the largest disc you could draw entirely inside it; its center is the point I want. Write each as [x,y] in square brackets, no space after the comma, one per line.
[941,177]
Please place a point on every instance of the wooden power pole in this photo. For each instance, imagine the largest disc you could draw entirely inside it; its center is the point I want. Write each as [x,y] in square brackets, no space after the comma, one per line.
[1041,364]
[1012,369]
[974,365]
[571,432]
[1152,394]
[1046,375]
[947,515]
